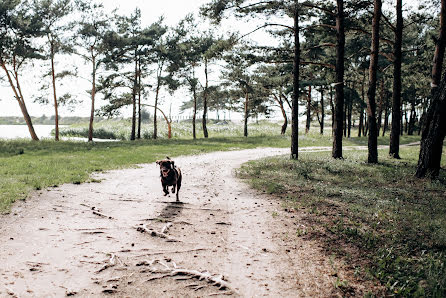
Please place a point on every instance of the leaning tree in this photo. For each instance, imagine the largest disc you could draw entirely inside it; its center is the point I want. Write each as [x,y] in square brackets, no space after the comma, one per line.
[19,26]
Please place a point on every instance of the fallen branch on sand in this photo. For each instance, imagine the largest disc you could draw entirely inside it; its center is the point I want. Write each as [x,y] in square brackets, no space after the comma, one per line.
[101,214]
[167,271]
[166,228]
[162,234]
[111,262]
[167,252]
[96,211]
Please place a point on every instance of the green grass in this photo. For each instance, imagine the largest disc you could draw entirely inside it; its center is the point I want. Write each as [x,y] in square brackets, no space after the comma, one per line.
[26,165]
[380,218]
[120,129]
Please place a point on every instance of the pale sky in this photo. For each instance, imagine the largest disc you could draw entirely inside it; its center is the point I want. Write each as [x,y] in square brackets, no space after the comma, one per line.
[172,10]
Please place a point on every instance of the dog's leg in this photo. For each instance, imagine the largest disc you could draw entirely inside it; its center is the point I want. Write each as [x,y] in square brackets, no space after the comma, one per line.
[173,188]
[178,188]
[165,189]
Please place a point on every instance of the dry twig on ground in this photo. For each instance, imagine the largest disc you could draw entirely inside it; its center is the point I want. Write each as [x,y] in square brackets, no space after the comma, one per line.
[162,234]
[167,271]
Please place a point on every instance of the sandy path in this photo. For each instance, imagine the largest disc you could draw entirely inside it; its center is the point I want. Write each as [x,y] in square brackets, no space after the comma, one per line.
[57,244]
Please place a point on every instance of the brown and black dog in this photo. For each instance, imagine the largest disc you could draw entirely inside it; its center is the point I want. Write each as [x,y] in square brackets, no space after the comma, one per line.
[170,176]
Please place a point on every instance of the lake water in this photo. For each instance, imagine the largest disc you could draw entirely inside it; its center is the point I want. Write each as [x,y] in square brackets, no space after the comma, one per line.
[21,131]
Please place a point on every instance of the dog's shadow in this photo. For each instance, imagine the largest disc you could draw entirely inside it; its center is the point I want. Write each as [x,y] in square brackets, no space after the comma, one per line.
[172,210]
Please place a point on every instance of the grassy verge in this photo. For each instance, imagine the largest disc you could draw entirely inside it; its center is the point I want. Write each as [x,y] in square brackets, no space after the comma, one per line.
[28,165]
[387,224]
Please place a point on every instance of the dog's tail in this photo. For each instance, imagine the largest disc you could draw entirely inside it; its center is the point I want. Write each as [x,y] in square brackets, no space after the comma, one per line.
[167,157]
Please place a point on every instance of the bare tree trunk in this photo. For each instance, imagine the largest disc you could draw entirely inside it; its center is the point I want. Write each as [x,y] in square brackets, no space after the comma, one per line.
[380,107]
[245,127]
[21,101]
[433,136]
[401,122]
[134,91]
[349,118]
[339,84]
[308,123]
[295,106]
[412,117]
[361,123]
[139,99]
[157,92]
[205,98]
[194,116]
[406,121]
[366,126]
[371,93]
[168,122]
[56,113]
[322,111]
[332,108]
[362,120]
[423,114]
[282,109]
[93,95]
[439,51]
[386,120]
[346,103]
[394,147]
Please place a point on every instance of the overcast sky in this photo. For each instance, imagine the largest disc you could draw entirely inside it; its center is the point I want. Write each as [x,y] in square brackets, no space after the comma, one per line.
[172,10]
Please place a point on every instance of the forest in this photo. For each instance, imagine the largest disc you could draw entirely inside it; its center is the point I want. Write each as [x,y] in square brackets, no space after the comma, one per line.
[354,167]
[368,64]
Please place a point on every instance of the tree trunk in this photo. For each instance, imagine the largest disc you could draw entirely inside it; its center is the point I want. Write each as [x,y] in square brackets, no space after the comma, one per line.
[339,84]
[157,92]
[332,108]
[423,114]
[282,109]
[134,91]
[349,118]
[56,113]
[285,122]
[245,127]
[380,107]
[322,111]
[386,120]
[371,93]
[295,106]
[412,117]
[194,115]
[308,123]
[93,95]
[401,122]
[139,99]
[394,147]
[433,135]
[439,51]
[361,123]
[406,121]
[345,116]
[205,98]
[366,126]
[21,101]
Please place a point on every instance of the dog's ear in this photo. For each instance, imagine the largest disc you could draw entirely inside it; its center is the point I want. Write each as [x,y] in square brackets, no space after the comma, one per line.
[158,162]
[172,163]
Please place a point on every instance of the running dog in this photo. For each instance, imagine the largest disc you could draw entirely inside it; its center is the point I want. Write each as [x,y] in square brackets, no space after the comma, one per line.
[170,176]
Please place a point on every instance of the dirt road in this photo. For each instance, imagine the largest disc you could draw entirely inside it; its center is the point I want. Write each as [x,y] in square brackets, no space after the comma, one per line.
[123,237]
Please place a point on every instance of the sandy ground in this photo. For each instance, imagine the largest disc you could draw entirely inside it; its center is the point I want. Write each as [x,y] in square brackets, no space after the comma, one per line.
[83,240]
